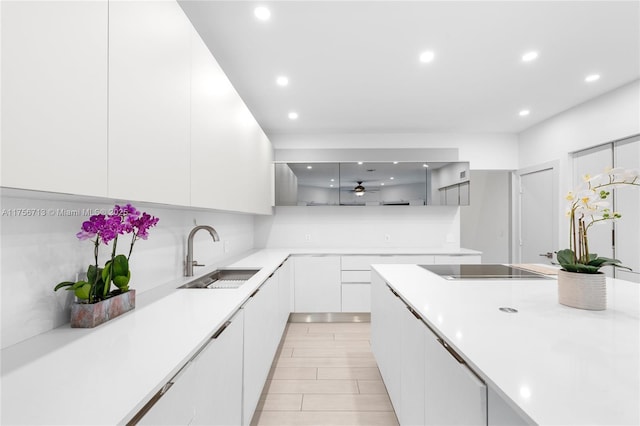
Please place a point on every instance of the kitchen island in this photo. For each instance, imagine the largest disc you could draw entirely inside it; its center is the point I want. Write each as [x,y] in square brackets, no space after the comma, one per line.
[544,364]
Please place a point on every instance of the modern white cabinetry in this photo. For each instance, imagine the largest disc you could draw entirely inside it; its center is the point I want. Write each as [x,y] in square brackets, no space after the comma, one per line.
[499,413]
[428,383]
[149,90]
[413,334]
[195,395]
[386,339]
[54,96]
[263,327]
[356,274]
[454,395]
[173,405]
[228,148]
[218,391]
[317,283]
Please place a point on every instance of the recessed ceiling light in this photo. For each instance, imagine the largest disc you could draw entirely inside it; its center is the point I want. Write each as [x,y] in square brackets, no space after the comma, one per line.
[262,13]
[293,115]
[309,167]
[395,162]
[391,178]
[425,165]
[331,186]
[591,78]
[529,56]
[427,56]
[382,184]
[333,180]
[282,81]
[360,162]
[524,113]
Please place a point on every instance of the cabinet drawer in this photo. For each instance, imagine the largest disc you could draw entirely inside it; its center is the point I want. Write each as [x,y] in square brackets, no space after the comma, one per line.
[462,259]
[356,276]
[363,263]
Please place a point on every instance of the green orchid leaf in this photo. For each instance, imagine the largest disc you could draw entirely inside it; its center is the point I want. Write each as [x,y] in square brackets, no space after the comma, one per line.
[602,261]
[592,257]
[565,257]
[92,273]
[83,292]
[106,271]
[63,284]
[122,282]
[120,266]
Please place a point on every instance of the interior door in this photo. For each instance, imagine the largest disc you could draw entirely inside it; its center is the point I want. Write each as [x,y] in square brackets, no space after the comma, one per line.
[537,216]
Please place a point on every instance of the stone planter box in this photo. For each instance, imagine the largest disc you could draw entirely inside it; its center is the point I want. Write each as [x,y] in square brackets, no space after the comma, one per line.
[89,315]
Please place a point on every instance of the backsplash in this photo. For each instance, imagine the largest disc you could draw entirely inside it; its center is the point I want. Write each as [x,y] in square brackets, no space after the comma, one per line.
[41,250]
[360,226]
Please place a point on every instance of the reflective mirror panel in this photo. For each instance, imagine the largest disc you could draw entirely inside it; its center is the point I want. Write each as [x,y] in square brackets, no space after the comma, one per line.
[372,184]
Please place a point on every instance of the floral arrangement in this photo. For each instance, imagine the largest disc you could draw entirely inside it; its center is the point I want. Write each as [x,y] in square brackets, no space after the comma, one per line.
[105,229]
[588,206]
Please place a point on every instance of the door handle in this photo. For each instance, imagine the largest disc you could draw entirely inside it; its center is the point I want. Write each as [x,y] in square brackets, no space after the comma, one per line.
[548,255]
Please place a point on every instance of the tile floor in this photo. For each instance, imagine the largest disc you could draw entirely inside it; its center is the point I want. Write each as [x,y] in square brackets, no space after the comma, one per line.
[325,374]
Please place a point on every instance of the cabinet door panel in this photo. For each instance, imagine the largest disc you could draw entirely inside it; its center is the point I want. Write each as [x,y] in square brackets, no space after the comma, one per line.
[218,392]
[54,96]
[356,297]
[317,284]
[149,87]
[453,394]
[412,383]
[175,406]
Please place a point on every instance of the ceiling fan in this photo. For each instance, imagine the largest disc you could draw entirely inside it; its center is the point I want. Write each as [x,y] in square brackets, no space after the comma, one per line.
[359,190]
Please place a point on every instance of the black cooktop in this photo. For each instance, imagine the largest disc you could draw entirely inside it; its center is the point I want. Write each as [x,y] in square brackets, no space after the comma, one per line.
[482,271]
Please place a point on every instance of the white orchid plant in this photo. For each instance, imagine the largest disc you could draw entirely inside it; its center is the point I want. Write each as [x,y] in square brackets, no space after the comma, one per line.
[588,206]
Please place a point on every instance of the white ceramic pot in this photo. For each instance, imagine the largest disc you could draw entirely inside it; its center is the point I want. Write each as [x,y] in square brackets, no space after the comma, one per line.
[582,291]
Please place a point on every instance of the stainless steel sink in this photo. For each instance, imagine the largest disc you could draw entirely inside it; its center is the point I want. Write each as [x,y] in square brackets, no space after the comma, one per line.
[222,278]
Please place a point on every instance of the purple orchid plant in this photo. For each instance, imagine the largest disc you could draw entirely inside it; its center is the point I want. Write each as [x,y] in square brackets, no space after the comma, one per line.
[106,229]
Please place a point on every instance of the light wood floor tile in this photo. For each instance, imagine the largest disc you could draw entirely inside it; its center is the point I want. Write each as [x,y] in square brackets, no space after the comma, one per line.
[304,373]
[286,352]
[352,336]
[310,336]
[331,353]
[373,402]
[362,373]
[280,402]
[372,387]
[326,418]
[326,362]
[363,327]
[326,344]
[312,386]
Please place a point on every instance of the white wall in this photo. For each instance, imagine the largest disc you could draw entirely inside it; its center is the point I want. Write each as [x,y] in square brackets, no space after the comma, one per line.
[359,226]
[612,116]
[483,151]
[39,252]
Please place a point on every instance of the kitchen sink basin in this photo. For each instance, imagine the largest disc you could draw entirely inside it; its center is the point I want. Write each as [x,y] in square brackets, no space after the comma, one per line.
[222,278]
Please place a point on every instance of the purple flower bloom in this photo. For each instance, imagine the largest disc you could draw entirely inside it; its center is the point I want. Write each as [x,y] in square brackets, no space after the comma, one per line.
[91,227]
[143,223]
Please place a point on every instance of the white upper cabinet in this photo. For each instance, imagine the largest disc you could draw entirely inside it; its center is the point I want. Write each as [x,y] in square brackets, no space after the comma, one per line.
[230,155]
[54,96]
[149,97]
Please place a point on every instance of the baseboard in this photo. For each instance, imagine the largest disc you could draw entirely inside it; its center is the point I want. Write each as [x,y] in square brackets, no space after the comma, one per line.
[330,317]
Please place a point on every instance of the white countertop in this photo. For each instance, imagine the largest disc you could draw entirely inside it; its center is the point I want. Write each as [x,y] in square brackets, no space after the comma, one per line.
[57,377]
[552,363]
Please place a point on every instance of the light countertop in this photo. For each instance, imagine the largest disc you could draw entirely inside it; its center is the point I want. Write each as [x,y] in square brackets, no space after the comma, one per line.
[551,363]
[57,377]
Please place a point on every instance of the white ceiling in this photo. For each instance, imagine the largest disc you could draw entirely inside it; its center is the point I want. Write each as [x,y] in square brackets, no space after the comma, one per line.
[353,65]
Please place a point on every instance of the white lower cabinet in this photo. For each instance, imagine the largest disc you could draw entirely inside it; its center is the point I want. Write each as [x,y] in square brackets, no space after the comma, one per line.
[208,389]
[317,284]
[173,405]
[218,387]
[454,395]
[428,383]
[262,332]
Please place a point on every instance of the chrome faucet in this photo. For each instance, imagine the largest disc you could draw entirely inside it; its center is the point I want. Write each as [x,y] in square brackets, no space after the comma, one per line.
[190,262]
